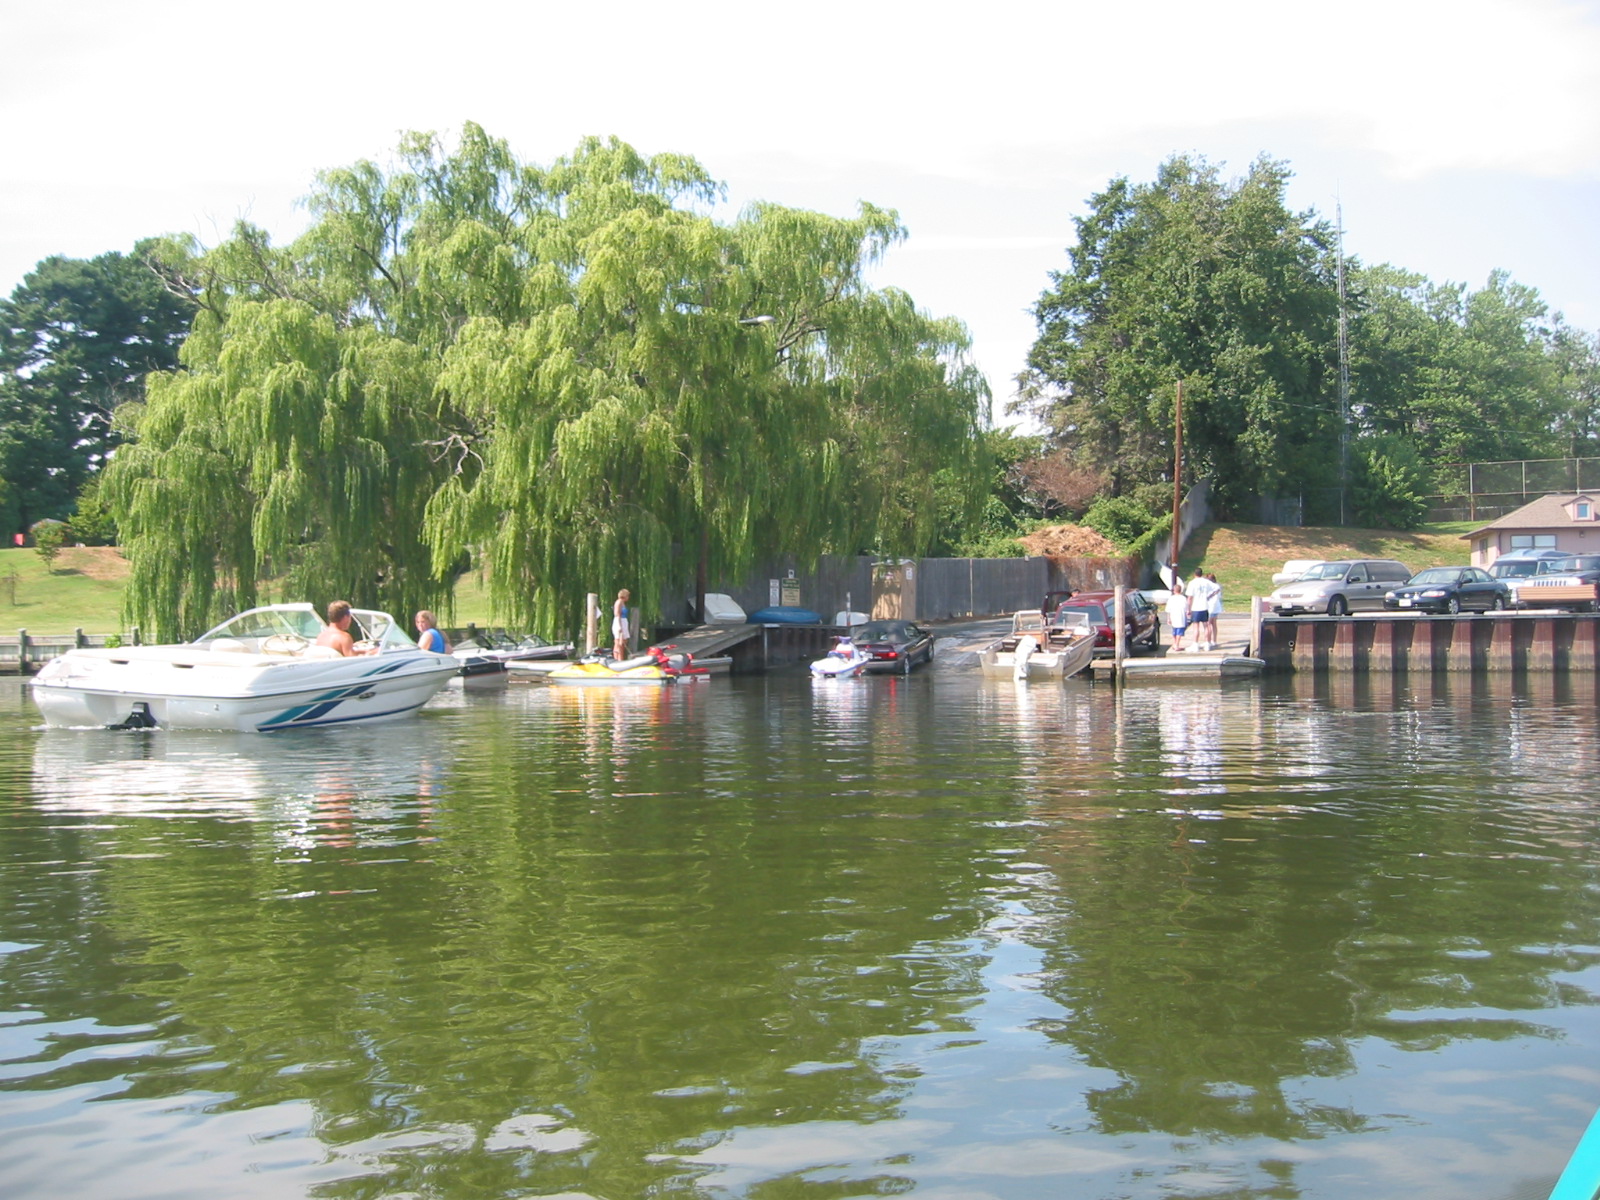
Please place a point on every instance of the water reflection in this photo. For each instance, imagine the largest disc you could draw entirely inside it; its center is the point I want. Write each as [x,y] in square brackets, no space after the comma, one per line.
[762,937]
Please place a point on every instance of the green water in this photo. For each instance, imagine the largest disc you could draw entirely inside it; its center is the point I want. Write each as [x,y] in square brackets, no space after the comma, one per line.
[772,939]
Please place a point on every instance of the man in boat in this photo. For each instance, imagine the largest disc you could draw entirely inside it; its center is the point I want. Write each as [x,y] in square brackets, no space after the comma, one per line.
[336,633]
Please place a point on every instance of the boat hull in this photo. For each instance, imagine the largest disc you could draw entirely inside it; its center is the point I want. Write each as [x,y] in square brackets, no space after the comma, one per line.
[1055,663]
[838,668]
[185,688]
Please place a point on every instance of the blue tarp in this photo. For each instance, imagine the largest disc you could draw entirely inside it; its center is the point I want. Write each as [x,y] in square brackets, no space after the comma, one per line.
[784,615]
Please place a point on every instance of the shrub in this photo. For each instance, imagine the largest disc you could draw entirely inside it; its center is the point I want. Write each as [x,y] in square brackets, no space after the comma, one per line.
[1121,519]
[48,538]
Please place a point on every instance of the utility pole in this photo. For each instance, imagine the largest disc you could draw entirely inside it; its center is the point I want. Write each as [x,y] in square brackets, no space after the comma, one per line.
[1177,476]
[1344,371]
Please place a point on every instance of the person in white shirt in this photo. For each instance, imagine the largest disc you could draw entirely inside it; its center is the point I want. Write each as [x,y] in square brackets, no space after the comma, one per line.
[1201,592]
[1177,612]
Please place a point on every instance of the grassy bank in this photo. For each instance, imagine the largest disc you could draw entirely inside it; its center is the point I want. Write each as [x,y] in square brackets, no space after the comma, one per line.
[84,590]
[1243,557]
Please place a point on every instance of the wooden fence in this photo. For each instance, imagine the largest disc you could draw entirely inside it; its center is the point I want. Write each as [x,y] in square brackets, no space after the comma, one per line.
[24,653]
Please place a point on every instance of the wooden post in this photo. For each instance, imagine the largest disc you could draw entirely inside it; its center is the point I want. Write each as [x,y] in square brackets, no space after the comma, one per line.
[1119,632]
[78,639]
[22,652]
[1255,626]
[591,605]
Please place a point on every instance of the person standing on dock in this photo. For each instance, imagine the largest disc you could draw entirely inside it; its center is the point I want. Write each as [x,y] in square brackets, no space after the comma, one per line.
[1177,612]
[621,626]
[1201,592]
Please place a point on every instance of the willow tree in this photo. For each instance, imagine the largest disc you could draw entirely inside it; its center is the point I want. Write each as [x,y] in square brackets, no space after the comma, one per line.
[576,374]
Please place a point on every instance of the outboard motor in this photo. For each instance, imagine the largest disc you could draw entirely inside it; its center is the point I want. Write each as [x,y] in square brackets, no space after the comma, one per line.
[140,718]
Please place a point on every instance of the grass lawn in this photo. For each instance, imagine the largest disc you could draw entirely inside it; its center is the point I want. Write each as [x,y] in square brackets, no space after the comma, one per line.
[84,591]
[1243,557]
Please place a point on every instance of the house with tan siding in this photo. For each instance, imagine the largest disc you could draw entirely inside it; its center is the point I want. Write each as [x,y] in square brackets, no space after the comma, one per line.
[1566,521]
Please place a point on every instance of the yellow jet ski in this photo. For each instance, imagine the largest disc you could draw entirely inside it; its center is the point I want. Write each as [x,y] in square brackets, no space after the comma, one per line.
[655,667]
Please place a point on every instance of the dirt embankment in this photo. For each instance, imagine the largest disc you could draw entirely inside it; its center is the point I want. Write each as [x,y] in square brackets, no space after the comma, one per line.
[1069,541]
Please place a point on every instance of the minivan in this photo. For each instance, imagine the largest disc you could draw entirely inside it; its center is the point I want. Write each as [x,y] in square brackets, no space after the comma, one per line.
[1337,588]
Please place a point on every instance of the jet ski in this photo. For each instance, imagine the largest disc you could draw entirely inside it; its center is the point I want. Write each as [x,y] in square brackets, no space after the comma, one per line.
[655,667]
[845,661]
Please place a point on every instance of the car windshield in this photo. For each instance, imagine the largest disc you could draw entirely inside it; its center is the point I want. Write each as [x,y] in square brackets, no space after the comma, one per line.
[1513,570]
[1332,570]
[1436,575]
[1579,562]
[880,631]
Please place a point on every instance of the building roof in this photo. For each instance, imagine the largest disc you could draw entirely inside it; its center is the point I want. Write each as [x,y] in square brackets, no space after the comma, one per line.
[1547,512]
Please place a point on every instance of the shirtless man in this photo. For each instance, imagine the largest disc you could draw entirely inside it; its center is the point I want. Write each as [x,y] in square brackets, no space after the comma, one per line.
[336,633]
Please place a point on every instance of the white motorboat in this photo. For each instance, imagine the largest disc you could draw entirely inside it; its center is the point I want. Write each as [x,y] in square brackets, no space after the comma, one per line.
[1035,649]
[507,647]
[261,671]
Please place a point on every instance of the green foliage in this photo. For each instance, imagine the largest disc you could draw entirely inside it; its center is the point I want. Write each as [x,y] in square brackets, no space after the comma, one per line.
[980,518]
[1390,484]
[92,524]
[48,539]
[1462,375]
[569,371]
[77,338]
[1121,519]
[1213,283]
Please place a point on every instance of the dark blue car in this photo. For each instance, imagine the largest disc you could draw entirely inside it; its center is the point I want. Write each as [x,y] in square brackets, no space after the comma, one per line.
[1450,590]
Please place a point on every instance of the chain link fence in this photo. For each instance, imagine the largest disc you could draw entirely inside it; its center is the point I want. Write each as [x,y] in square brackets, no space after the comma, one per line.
[1487,491]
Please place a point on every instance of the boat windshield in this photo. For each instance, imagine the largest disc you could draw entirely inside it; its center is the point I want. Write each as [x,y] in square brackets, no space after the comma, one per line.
[301,624]
[1066,618]
[265,623]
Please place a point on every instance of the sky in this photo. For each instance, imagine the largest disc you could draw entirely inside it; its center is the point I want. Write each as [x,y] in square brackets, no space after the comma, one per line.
[1457,137]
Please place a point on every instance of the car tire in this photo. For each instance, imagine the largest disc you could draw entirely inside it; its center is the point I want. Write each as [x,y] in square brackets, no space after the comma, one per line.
[905,664]
[1337,607]
[1497,604]
[1453,606]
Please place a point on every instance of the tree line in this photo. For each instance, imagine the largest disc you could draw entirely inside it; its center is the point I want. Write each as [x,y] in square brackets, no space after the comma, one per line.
[575,377]
[1216,283]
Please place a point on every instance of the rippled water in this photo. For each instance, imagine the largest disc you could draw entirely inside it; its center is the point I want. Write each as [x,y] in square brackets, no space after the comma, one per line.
[768,939]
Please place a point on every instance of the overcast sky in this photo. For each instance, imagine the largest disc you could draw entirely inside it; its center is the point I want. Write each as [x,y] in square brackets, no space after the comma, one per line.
[1460,136]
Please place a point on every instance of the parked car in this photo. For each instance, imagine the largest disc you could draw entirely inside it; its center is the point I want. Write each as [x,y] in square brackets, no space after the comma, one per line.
[1569,570]
[893,645]
[1337,588]
[1519,564]
[1450,589]
[1294,569]
[1142,621]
